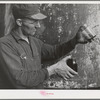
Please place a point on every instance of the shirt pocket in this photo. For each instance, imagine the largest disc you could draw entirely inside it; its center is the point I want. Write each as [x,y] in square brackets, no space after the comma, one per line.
[23,58]
[29,63]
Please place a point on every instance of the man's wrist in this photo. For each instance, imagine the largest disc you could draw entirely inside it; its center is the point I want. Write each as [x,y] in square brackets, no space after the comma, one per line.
[51,69]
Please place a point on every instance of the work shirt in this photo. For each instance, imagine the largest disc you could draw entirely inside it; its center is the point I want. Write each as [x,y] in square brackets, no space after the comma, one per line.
[20,61]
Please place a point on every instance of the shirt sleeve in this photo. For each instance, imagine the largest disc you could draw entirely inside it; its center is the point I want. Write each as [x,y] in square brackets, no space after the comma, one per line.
[54,52]
[16,73]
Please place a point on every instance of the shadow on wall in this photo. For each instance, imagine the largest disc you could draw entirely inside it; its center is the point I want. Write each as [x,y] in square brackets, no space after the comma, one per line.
[2,13]
[9,19]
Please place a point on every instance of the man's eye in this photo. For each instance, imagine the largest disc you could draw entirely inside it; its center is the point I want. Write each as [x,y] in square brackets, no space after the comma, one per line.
[31,22]
[36,21]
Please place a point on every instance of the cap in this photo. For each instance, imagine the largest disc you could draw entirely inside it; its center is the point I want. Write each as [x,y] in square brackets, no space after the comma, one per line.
[27,10]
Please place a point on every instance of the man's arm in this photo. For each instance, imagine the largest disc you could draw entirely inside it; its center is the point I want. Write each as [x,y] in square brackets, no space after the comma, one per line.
[57,51]
[16,73]
[54,52]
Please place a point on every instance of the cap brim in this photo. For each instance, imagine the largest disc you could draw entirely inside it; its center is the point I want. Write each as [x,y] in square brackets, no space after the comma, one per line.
[39,16]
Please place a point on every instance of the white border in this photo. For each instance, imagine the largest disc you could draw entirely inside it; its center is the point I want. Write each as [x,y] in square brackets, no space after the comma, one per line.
[53,2]
[56,94]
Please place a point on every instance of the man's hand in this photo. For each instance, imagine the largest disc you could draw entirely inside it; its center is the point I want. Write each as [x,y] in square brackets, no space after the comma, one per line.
[62,69]
[84,35]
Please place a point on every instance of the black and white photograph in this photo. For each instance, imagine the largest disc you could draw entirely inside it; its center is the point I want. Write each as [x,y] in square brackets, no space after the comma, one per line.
[49,46]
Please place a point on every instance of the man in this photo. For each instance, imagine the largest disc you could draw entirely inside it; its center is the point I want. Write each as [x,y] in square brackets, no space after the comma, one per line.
[21,53]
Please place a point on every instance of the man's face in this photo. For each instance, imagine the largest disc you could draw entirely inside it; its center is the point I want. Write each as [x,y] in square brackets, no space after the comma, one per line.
[29,26]
[41,29]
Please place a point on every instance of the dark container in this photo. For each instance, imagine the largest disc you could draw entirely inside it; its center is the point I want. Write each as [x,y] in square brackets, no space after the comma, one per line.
[72,64]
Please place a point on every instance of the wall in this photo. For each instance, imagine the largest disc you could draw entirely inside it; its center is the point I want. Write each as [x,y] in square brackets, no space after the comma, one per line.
[64,21]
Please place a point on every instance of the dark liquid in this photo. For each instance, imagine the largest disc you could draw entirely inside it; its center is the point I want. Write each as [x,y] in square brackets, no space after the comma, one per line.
[72,64]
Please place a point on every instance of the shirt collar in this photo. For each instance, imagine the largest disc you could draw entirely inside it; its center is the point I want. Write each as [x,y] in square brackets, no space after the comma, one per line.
[15,34]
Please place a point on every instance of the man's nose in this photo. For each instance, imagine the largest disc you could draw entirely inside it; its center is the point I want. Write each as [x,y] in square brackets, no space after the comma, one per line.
[38,24]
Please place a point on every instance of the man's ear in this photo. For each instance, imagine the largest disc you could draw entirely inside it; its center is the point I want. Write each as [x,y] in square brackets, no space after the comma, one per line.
[19,22]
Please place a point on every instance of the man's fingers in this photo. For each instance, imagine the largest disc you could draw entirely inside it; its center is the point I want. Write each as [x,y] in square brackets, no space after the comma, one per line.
[91,36]
[72,71]
[70,75]
[67,76]
[65,79]
[64,76]
[86,35]
[67,57]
